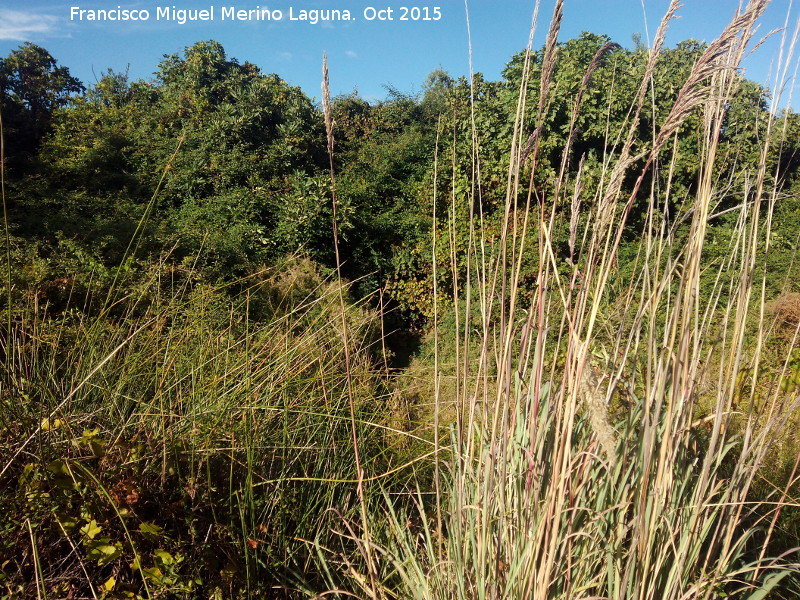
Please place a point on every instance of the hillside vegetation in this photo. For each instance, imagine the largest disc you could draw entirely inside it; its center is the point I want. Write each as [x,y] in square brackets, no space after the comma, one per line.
[529,338]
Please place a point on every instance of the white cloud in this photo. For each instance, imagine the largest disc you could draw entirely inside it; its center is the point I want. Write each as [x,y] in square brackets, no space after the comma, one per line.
[285,55]
[350,54]
[18,25]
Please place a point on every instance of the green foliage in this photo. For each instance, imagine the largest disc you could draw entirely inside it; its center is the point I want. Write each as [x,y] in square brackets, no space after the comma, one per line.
[383,155]
[245,137]
[32,86]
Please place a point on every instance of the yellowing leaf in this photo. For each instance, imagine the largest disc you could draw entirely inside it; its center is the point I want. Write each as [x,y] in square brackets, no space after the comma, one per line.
[154,574]
[109,584]
[89,439]
[47,424]
[91,529]
[88,434]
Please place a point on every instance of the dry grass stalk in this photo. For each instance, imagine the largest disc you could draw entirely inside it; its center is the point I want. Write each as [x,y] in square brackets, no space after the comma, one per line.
[533,513]
[366,546]
[510,263]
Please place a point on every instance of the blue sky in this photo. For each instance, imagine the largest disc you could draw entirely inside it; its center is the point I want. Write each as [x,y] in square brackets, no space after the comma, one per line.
[364,55]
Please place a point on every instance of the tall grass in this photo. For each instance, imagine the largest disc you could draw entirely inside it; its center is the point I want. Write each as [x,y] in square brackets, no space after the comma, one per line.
[187,443]
[604,444]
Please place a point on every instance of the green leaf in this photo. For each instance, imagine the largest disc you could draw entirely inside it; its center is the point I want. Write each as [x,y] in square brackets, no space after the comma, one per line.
[28,475]
[150,531]
[163,557]
[103,551]
[97,446]
[158,577]
[59,468]
[769,584]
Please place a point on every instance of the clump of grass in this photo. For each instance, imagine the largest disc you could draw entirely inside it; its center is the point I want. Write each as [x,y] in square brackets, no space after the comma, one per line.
[786,310]
[539,493]
[183,447]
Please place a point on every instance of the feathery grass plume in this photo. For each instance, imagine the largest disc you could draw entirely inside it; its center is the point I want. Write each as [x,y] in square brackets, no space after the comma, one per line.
[593,65]
[599,261]
[723,54]
[519,152]
[550,56]
[510,266]
[326,107]
[597,409]
[612,184]
[519,155]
